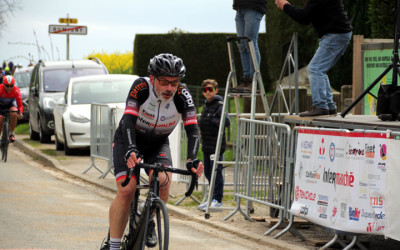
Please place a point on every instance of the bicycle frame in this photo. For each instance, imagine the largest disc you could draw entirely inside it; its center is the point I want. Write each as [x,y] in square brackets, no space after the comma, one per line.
[5,141]
[138,229]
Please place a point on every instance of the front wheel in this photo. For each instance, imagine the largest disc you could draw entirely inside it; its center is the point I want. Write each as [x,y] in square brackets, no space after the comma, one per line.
[4,141]
[161,222]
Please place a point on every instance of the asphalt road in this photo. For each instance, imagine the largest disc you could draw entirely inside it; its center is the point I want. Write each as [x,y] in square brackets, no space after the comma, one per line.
[43,208]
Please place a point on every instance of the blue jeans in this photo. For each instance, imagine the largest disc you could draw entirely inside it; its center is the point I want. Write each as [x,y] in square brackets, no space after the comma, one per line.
[331,47]
[248,24]
[219,180]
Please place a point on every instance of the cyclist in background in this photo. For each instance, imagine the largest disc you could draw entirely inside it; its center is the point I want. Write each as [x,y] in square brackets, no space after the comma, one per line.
[10,99]
[154,107]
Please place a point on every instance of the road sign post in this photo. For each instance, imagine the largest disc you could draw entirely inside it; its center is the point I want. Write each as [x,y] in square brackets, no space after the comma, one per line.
[68,29]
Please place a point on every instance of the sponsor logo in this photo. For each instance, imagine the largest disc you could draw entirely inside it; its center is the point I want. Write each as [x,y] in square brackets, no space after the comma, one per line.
[147,114]
[332,152]
[323,200]
[369,151]
[354,214]
[376,201]
[355,152]
[322,149]
[334,211]
[322,212]
[137,88]
[313,175]
[343,209]
[382,151]
[374,227]
[304,210]
[306,147]
[337,178]
[382,166]
[301,169]
[306,195]
[164,118]
[374,177]
[131,104]
[185,93]
[339,152]
[372,215]
[150,124]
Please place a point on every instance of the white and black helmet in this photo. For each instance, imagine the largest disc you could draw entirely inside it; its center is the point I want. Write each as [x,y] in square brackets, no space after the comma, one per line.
[167,65]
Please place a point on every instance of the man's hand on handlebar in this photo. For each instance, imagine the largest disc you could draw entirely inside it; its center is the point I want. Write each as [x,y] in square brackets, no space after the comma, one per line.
[132,157]
[192,166]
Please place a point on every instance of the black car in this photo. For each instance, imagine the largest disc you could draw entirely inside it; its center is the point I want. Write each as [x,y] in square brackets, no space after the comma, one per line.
[48,84]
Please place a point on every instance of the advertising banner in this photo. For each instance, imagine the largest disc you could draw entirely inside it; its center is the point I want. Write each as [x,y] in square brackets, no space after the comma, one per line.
[392,204]
[340,180]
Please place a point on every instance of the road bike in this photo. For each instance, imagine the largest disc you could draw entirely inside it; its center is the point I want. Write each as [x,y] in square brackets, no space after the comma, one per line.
[153,208]
[5,140]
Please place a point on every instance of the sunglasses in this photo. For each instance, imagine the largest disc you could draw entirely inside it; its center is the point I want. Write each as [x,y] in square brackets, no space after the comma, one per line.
[8,86]
[208,89]
[164,82]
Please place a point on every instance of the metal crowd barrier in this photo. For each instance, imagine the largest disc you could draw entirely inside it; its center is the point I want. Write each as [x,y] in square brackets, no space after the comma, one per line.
[102,129]
[262,154]
[203,183]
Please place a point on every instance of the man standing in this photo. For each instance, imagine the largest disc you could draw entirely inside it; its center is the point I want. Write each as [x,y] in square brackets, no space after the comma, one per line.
[248,17]
[330,20]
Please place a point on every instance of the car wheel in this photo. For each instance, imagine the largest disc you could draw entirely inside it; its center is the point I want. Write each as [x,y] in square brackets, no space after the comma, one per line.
[32,134]
[59,145]
[43,137]
[67,150]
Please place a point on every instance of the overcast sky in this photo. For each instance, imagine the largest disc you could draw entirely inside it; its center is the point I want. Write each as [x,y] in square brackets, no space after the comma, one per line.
[112,25]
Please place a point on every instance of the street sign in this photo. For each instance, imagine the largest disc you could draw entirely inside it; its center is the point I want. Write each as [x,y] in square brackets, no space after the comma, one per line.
[68,20]
[68,29]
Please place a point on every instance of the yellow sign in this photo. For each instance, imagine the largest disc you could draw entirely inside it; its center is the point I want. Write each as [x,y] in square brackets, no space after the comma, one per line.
[68,20]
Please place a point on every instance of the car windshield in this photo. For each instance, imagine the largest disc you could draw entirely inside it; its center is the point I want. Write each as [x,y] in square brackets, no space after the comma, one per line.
[57,80]
[114,91]
[22,79]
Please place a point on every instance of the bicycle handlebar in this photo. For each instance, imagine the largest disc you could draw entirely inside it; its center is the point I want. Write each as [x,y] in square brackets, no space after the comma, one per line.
[160,168]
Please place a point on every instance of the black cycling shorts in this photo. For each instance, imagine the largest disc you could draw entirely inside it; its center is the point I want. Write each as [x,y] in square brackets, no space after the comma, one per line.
[6,105]
[153,153]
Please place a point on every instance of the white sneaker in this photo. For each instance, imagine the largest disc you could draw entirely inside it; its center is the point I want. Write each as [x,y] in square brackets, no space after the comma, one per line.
[202,206]
[216,204]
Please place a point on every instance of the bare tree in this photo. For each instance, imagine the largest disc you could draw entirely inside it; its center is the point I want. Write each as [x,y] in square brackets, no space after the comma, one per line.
[7,8]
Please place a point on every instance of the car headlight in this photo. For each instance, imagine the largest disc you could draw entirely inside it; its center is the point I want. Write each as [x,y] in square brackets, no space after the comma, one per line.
[78,118]
[49,103]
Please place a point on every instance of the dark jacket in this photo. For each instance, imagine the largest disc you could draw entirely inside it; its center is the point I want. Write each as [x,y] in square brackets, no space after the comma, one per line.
[258,5]
[209,125]
[326,16]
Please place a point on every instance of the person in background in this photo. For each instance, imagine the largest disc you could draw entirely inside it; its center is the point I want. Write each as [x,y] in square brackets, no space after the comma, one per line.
[248,18]
[334,31]
[209,126]
[10,99]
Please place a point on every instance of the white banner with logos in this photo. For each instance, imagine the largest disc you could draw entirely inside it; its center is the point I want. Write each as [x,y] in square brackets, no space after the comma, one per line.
[392,204]
[340,180]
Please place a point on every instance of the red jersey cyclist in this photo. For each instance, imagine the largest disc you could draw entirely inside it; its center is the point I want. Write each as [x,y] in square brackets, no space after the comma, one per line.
[10,99]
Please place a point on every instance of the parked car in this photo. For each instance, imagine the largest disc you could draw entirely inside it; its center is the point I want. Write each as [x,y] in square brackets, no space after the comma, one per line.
[48,84]
[72,113]
[22,77]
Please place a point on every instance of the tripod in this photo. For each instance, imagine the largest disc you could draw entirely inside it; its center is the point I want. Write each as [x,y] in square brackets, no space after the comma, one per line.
[394,65]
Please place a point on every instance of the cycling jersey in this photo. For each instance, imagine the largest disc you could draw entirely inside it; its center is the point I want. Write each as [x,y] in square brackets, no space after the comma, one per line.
[12,99]
[148,120]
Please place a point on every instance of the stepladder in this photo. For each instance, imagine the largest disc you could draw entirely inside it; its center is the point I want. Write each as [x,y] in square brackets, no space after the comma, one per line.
[257,92]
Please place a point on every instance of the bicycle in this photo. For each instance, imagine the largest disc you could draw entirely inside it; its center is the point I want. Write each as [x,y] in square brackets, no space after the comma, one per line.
[152,208]
[5,140]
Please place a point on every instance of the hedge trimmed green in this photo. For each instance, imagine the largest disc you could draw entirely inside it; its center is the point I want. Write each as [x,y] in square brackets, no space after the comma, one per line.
[205,55]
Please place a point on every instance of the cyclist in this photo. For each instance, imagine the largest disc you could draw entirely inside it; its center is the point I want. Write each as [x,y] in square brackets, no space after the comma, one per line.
[10,99]
[154,107]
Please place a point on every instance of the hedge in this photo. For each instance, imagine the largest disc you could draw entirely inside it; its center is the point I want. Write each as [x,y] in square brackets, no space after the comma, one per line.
[205,55]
